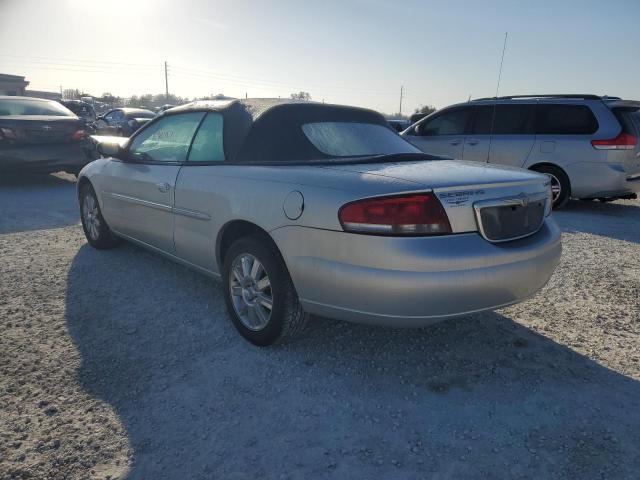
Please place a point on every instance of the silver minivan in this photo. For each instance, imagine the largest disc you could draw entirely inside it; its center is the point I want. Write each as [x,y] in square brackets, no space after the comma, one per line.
[587,144]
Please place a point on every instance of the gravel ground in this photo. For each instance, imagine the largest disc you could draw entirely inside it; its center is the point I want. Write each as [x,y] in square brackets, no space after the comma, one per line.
[120,364]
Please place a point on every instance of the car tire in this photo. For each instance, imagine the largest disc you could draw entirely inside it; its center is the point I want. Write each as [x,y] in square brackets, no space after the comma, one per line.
[248,295]
[559,180]
[95,227]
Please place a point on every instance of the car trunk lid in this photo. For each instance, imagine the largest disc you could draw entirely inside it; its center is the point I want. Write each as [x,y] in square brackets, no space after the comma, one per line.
[472,193]
[40,129]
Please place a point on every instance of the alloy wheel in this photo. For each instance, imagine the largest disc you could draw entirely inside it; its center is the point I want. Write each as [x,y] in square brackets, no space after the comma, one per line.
[556,187]
[250,289]
[90,214]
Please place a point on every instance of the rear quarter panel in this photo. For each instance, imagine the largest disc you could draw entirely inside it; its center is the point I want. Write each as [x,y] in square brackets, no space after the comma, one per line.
[225,193]
[219,194]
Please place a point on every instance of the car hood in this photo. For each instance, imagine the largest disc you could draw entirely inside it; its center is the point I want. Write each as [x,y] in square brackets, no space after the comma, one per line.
[436,174]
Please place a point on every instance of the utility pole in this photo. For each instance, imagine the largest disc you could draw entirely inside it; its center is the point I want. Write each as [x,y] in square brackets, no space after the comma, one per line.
[166,82]
[60,91]
[401,89]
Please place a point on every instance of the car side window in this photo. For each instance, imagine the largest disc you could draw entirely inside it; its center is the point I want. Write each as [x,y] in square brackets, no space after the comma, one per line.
[565,120]
[166,140]
[109,116]
[453,122]
[208,144]
[507,120]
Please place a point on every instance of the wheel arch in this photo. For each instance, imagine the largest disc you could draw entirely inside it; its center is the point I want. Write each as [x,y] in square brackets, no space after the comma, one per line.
[538,165]
[82,181]
[232,231]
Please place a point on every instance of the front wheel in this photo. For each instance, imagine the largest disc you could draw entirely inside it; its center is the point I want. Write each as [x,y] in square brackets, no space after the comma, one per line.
[95,227]
[259,294]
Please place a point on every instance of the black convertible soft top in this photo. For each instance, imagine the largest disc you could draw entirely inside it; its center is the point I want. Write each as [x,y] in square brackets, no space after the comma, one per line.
[270,130]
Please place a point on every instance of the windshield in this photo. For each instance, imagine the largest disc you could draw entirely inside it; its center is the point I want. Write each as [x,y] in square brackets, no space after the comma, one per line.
[21,106]
[350,139]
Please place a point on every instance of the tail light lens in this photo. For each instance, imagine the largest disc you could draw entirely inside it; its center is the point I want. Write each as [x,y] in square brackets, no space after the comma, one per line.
[417,214]
[79,135]
[624,141]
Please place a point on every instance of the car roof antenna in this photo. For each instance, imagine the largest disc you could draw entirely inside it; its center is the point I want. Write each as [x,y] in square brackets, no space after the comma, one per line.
[493,114]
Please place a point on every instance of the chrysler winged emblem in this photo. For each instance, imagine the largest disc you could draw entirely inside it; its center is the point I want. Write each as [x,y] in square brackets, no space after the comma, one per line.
[524,199]
[46,128]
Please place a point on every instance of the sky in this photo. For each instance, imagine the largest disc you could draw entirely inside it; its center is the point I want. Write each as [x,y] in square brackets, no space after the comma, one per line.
[355,52]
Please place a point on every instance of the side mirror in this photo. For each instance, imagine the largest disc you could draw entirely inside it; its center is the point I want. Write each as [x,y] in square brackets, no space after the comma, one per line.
[115,150]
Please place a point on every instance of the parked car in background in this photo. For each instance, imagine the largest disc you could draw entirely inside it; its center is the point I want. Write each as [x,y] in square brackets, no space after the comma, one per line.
[587,144]
[399,124]
[305,208]
[122,121]
[165,107]
[82,109]
[39,135]
[417,116]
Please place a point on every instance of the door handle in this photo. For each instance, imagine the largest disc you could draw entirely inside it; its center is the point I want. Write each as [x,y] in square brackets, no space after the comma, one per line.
[163,187]
[455,142]
[472,142]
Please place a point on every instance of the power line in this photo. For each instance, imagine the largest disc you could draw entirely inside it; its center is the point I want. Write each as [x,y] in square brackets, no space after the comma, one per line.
[79,70]
[254,79]
[103,66]
[82,66]
[244,81]
[96,62]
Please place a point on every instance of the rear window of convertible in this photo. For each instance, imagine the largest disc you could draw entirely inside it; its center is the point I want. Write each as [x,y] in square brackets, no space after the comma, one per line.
[351,139]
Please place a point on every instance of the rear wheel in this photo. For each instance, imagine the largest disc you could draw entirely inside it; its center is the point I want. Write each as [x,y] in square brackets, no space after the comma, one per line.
[259,294]
[95,227]
[560,186]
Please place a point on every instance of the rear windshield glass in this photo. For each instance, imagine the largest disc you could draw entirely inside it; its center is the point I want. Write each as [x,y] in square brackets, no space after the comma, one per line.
[636,119]
[629,119]
[21,106]
[350,139]
[81,109]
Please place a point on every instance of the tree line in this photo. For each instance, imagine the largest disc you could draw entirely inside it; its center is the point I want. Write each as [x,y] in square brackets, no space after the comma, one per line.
[149,100]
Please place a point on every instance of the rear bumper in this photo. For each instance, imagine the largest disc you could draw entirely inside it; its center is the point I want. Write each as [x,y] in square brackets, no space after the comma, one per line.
[601,179]
[46,158]
[414,281]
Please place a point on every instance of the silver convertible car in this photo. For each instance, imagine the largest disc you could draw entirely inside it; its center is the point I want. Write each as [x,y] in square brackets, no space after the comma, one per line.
[304,208]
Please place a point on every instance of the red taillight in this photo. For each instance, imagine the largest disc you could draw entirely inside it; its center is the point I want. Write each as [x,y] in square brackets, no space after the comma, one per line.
[624,141]
[79,135]
[418,214]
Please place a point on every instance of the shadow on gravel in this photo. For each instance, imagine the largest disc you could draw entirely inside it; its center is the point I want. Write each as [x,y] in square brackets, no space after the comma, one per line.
[37,202]
[477,396]
[619,220]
